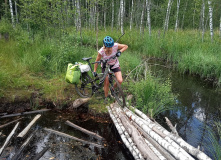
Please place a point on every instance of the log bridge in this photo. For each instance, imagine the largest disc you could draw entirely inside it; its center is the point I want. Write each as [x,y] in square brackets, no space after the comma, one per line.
[146,139]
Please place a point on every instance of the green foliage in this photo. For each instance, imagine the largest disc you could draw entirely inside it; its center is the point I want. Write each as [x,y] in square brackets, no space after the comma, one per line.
[152,96]
[212,140]
[5,26]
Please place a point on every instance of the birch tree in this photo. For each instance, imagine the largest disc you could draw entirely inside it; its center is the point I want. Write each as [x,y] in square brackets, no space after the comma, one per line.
[105,15]
[16,12]
[141,19]
[184,14]
[211,19]
[220,27]
[177,15]
[167,16]
[12,15]
[112,20]
[203,17]
[148,16]
[131,14]
[78,15]
[122,16]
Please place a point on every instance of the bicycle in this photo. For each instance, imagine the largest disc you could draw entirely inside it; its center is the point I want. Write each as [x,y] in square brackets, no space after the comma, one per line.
[88,86]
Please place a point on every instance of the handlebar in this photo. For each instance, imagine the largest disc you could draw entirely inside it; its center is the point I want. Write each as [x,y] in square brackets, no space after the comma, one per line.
[104,61]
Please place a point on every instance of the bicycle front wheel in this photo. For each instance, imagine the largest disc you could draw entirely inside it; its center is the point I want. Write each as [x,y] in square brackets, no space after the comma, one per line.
[117,92]
[84,87]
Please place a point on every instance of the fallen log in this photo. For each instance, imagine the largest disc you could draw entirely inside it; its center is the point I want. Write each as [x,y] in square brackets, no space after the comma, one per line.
[132,146]
[40,154]
[18,153]
[24,132]
[136,136]
[187,147]
[4,125]
[173,128]
[177,151]
[84,130]
[154,143]
[79,102]
[9,138]
[74,138]
[125,140]
[25,113]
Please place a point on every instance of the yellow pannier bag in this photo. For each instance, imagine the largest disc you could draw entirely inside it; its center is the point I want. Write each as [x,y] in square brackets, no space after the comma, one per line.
[73,74]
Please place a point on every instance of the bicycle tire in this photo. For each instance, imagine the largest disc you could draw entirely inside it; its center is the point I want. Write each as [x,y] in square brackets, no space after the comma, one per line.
[84,87]
[117,92]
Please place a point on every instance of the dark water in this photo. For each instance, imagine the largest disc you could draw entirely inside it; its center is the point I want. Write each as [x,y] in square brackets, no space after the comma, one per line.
[198,107]
[63,148]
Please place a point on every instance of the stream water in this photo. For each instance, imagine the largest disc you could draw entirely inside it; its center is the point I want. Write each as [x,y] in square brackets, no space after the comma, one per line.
[198,106]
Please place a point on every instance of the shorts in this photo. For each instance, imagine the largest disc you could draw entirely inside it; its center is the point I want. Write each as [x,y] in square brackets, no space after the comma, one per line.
[113,70]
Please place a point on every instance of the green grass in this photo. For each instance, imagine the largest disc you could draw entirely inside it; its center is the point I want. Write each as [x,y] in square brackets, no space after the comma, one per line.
[33,64]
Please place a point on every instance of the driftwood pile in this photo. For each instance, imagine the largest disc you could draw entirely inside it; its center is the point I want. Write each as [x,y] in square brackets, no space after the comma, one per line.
[23,133]
[146,139]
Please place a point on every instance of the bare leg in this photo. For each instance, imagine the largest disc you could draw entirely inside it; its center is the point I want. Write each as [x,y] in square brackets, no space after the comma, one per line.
[119,78]
[106,86]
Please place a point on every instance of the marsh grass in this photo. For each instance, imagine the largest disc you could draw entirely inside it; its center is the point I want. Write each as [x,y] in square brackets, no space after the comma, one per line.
[212,140]
[30,62]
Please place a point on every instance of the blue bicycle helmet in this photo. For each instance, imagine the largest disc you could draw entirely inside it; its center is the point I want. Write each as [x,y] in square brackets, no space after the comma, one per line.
[108,42]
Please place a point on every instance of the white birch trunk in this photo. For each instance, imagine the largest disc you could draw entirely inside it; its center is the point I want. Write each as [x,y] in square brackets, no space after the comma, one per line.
[122,16]
[211,19]
[194,13]
[141,20]
[166,142]
[105,15]
[203,17]
[94,13]
[177,15]
[167,16]
[190,149]
[131,15]
[184,14]
[79,15]
[12,15]
[220,27]
[112,21]
[148,16]
[124,136]
[16,12]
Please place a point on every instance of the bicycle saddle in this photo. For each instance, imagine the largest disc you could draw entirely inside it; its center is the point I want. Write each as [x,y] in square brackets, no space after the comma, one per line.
[86,59]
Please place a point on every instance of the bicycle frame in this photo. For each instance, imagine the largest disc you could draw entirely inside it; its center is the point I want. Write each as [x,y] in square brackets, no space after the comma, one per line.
[106,73]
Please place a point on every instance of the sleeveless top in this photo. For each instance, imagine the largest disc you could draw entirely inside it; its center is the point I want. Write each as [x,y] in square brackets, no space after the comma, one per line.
[113,62]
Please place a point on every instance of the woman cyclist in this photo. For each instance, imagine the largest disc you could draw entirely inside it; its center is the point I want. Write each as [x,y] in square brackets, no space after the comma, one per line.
[109,50]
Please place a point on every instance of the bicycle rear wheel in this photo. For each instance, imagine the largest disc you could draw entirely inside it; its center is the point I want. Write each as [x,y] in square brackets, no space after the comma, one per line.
[84,87]
[117,92]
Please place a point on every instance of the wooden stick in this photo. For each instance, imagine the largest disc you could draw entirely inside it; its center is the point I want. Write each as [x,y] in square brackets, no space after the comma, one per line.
[71,137]
[79,102]
[174,131]
[18,153]
[186,146]
[154,143]
[122,133]
[84,130]
[169,145]
[24,113]
[4,125]
[9,138]
[136,136]
[40,154]
[24,132]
